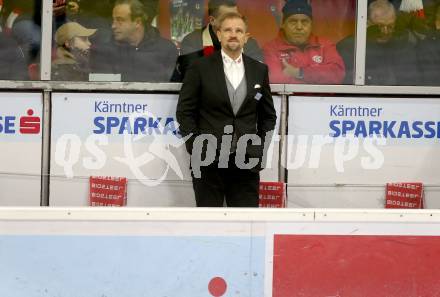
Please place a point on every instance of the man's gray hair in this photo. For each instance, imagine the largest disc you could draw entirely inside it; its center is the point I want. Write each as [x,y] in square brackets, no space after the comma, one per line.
[380,8]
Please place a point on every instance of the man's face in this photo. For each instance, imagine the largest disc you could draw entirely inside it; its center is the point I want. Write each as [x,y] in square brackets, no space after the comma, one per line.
[385,28]
[297,29]
[223,9]
[123,26]
[232,34]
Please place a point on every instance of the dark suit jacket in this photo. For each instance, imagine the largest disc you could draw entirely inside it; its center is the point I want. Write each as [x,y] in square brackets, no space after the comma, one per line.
[153,60]
[204,106]
[390,63]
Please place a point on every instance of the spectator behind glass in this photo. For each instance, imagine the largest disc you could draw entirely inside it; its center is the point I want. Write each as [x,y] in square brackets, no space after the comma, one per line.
[72,56]
[428,52]
[203,42]
[137,51]
[297,56]
[390,57]
[12,60]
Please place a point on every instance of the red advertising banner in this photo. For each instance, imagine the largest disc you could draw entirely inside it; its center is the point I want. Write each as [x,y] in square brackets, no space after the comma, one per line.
[404,195]
[272,194]
[356,265]
[108,191]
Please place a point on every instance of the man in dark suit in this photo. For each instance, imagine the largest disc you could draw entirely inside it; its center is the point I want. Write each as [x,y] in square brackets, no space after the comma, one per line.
[226,101]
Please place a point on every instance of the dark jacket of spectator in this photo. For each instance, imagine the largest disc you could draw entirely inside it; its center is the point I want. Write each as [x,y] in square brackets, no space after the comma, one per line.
[192,48]
[390,63]
[345,48]
[66,68]
[28,35]
[153,60]
[319,60]
[12,60]
[393,63]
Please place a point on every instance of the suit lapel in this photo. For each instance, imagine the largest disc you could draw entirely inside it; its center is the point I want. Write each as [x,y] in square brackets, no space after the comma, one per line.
[221,79]
[249,73]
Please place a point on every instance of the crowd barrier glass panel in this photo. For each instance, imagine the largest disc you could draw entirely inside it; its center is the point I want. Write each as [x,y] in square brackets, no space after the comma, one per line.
[402,47]
[133,136]
[156,41]
[112,41]
[21,127]
[342,151]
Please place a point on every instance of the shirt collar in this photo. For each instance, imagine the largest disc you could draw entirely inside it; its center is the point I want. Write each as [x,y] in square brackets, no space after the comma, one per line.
[228,60]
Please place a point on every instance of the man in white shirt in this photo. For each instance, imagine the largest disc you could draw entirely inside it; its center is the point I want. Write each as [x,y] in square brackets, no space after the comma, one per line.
[226,101]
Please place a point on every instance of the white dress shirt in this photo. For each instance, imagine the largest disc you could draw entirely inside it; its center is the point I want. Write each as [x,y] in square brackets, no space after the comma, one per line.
[234,69]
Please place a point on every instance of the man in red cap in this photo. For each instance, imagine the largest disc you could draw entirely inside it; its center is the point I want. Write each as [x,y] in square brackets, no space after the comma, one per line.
[297,56]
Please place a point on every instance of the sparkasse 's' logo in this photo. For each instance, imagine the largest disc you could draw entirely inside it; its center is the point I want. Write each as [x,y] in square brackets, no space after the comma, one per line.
[28,124]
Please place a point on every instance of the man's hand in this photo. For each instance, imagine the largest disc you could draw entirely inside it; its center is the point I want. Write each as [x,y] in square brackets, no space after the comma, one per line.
[73,7]
[290,70]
